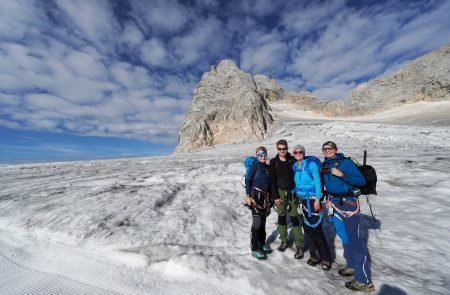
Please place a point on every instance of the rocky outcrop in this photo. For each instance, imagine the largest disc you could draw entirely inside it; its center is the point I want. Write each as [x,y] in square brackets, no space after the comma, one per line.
[268,88]
[227,107]
[425,79]
[305,100]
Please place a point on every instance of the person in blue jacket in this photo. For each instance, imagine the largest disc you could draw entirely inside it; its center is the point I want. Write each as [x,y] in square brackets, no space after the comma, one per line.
[341,178]
[257,184]
[308,187]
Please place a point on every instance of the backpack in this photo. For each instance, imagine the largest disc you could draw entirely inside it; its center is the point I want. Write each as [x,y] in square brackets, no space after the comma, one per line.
[369,174]
[309,159]
[248,162]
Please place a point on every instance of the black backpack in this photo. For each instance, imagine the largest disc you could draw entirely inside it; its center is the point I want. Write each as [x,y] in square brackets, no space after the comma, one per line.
[369,174]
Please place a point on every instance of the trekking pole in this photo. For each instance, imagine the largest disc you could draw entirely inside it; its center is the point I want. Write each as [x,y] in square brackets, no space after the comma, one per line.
[365,157]
[370,207]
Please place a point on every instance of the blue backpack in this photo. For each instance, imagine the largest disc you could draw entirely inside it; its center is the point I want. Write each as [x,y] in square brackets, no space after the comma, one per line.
[310,159]
[248,162]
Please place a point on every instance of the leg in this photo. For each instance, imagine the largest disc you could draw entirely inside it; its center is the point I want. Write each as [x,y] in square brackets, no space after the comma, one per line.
[296,228]
[256,232]
[262,231]
[281,210]
[359,254]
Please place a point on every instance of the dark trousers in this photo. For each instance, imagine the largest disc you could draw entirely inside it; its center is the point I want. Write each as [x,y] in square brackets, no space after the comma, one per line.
[314,235]
[258,232]
[317,243]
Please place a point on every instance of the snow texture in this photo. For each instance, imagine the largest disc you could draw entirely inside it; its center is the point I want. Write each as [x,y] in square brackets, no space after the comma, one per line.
[176,224]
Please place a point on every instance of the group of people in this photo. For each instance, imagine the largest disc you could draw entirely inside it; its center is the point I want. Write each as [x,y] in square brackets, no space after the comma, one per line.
[297,185]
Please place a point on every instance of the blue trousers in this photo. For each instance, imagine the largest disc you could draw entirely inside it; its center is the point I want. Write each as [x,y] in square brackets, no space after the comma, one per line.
[355,252]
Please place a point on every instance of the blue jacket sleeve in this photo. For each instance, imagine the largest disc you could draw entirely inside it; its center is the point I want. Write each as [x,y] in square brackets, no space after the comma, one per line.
[249,178]
[316,177]
[352,175]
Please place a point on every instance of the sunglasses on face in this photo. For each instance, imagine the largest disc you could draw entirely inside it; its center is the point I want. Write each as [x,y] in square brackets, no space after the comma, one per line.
[282,149]
[262,156]
[298,153]
[324,149]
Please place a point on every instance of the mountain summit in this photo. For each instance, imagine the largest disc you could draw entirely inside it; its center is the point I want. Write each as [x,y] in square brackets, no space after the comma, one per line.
[227,107]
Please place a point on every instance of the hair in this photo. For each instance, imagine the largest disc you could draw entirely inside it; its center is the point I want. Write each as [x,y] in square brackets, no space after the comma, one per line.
[331,144]
[263,148]
[282,142]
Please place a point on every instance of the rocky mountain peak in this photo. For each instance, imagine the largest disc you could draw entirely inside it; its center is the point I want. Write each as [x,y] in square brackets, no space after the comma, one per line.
[227,107]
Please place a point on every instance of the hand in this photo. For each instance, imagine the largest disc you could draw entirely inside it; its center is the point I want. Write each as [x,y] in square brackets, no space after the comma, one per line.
[337,172]
[248,200]
[277,202]
[317,205]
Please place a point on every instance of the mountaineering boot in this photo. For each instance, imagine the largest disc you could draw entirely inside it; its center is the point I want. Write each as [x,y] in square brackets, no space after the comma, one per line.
[258,254]
[313,261]
[299,253]
[357,286]
[326,265]
[346,272]
[266,250]
[283,246]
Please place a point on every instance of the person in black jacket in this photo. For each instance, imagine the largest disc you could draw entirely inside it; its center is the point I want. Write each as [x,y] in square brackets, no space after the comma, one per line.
[257,185]
[281,185]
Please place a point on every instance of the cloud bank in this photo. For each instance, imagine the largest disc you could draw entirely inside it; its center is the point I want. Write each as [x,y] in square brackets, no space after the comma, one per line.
[128,69]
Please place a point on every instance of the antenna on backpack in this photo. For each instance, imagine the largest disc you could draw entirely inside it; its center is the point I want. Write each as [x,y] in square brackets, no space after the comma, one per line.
[365,157]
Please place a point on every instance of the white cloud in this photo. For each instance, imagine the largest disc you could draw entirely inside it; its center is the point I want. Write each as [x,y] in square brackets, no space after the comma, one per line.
[153,52]
[207,39]
[18,17]
[340,91]
[131,36]
[161,16]
[264,53]
[310,15]
[93,19]
[85,67]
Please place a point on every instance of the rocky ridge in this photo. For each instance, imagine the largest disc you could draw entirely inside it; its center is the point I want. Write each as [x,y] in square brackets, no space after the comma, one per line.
[424,79]
[228,106]
[232,106]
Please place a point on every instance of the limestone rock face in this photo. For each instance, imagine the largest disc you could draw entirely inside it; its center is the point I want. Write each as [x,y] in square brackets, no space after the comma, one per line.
[305,100]
[268,88]
[424,79]
[227,107]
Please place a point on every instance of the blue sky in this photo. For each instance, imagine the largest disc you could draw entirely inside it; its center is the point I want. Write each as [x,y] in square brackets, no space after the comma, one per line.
[100,79]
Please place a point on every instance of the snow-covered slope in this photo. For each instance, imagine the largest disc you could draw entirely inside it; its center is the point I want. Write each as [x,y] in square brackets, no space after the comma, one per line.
[176,224]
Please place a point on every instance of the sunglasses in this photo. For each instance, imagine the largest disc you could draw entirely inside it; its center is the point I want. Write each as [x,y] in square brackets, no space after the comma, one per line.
[327,149]
[262,156]
[298,153]
[282,149]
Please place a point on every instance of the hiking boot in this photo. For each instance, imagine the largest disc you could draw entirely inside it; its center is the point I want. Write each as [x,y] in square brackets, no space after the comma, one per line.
[258,254]
[298,253]
[346,272]
[326,265]
[357,286]
[266,250]
[313,261]
[283,246]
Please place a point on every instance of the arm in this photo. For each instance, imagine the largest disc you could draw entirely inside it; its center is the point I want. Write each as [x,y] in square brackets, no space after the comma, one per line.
[317,181]
[273,181]
[352,175]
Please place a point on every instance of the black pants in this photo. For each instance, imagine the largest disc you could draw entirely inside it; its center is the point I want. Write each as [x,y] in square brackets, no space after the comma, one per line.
[258,232]
[317,242]
[315,237]
[259,215]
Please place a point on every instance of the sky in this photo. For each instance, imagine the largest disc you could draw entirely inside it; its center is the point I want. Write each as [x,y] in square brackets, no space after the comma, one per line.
[87,76]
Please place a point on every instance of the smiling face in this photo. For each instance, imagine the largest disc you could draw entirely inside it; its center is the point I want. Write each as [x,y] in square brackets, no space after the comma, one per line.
[329,152]
[282,150]
[299,154]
